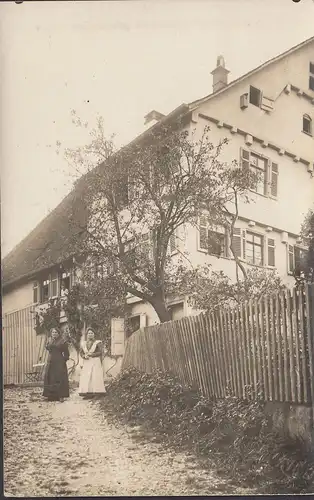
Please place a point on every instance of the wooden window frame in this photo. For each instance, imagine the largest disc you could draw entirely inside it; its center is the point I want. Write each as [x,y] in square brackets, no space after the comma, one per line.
[307,119]
[171,305]
[222,232]
[271,247]
[291,254]
[271,172]
[261,245]
[36,288]
[260,93]
[54,278]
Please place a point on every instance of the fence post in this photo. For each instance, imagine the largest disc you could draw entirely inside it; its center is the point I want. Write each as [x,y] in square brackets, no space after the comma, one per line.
[309,298]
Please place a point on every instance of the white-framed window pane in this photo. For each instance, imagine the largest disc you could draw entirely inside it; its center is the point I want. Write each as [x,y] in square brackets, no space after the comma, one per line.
[254,249]
[45,291]
[258,167]
[54,288]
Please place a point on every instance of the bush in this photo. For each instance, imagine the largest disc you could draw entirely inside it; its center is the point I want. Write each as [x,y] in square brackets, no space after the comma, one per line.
[233,434]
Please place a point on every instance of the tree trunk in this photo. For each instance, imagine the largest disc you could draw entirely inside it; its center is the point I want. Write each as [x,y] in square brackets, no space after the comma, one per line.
[161,310]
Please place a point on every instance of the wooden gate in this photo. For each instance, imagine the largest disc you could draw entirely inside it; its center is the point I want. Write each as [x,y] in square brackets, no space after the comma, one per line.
[20,345]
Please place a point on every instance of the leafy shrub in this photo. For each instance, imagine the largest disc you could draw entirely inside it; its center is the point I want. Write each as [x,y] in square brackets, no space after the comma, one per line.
[235,435]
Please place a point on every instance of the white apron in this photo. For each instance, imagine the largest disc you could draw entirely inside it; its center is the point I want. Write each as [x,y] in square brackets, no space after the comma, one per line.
[92,377]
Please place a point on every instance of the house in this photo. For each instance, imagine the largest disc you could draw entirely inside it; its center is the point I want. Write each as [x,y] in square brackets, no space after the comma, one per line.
[268,116]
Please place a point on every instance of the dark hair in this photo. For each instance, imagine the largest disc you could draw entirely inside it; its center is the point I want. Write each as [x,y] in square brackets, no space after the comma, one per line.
[54,328]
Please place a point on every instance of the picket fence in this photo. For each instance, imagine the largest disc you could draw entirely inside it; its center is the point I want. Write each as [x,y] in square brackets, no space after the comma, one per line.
[262,349]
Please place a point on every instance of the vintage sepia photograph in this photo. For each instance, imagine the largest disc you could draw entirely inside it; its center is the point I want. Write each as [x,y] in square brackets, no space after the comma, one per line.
[157,247]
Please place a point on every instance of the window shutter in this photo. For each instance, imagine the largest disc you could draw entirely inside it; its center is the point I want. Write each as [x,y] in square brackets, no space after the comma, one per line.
[203,232]
[215,243]
[143,320]
[173,243]
[243,243]
[131,191]
[35,293]
[117,336]
[271,252]
[49,287]
[237,242]
[54,285]
[274,179]
[267,104]
[245,158]
[297,258]
[290,258]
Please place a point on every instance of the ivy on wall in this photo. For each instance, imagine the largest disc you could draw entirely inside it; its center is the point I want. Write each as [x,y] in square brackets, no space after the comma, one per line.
[80,307]
[69,306]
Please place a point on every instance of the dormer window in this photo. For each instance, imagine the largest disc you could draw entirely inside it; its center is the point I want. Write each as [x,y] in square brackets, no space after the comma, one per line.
[307,124]
[255,96]
[311,78]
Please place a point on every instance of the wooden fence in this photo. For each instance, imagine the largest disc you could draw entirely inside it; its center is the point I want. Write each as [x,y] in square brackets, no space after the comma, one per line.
[20,346]
[260,350]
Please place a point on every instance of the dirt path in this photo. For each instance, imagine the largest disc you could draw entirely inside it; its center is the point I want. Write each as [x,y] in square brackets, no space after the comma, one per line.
[68,449]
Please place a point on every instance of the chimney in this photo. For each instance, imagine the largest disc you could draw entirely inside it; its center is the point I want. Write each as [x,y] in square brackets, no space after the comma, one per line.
[152,117]
[220,75]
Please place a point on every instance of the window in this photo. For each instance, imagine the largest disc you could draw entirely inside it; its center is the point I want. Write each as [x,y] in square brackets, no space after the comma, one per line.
[176,311]
[65,281]
[134,324]
[174,242]
[311,78]
[249,246]
[139,247]
[271,252]
[145,245]
[258,166]
[255,96]
[54,285]
[307,124]
[254,248]
[296,255]
[36,293]
[265,169]
[45,291]
[214,242]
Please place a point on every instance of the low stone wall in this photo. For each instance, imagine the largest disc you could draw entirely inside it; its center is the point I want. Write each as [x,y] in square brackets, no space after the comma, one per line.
[293,420]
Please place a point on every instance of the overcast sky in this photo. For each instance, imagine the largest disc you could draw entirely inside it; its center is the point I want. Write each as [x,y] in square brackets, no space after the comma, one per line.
[120,60]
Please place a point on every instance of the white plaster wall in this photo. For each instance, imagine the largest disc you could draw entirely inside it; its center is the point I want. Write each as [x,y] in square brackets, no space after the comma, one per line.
[284,124]
[295,183]
[18,298]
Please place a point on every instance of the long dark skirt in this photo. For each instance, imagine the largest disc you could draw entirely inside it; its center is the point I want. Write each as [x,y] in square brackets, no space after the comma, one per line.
[56,382]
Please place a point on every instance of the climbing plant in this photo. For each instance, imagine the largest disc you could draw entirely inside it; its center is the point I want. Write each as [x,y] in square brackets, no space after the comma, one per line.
[49,317]
[92,301]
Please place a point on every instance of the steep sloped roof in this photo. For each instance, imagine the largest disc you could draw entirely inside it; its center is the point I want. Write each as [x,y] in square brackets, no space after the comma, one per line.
[53,240]
[58,236]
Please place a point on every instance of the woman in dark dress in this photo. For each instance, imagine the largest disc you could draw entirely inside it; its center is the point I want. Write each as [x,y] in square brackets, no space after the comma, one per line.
[56,382]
